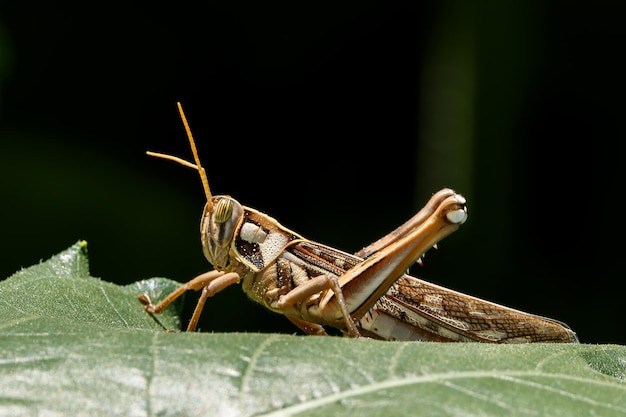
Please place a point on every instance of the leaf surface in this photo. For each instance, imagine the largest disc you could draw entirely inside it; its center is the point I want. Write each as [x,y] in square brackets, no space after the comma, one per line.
[76,345]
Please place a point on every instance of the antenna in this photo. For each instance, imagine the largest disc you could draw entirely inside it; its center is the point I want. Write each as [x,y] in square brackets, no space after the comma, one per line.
[197,166]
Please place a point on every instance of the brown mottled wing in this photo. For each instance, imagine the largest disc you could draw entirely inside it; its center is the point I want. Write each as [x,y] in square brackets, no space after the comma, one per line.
[438,313]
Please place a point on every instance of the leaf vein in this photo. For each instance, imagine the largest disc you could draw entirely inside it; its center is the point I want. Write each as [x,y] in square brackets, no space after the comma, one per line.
[574,396]
[108,300]
[249,371]
[395,360]
[477,395]
[437,378]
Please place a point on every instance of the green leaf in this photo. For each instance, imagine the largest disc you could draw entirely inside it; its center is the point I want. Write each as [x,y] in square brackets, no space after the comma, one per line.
[75,345]
[60,294]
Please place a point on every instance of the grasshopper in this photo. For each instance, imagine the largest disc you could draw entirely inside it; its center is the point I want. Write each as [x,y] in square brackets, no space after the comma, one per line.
[365,294]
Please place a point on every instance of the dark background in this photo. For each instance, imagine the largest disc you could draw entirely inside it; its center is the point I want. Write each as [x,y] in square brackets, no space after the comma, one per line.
[338,120]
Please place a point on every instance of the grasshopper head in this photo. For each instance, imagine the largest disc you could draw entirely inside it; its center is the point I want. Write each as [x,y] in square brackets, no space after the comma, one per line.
[220,220]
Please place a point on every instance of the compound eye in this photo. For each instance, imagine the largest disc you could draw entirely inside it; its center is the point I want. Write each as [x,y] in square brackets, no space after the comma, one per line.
[223,210]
